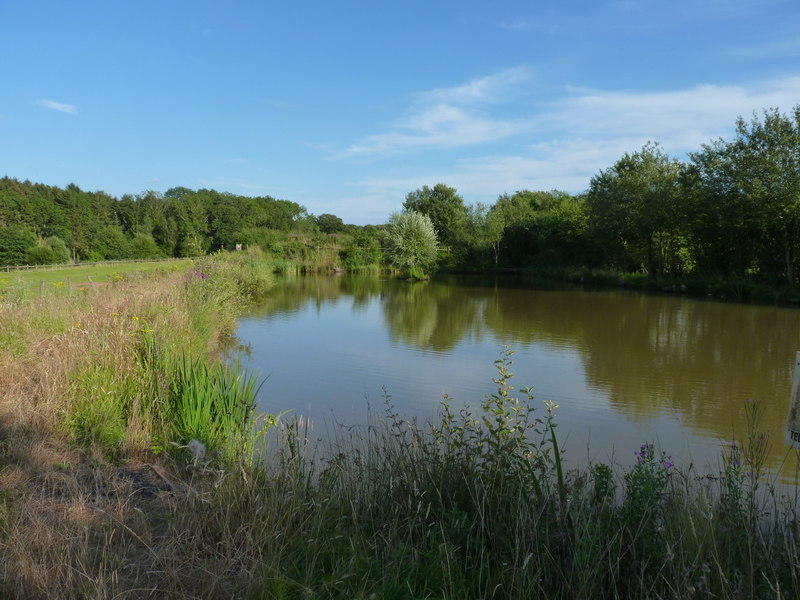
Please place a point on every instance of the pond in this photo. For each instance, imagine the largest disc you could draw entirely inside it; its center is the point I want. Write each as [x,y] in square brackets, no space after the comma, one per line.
[624,368]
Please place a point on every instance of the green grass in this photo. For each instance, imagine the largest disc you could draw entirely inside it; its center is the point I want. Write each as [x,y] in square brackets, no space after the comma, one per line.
[475,504]
[82,274]
[466,508]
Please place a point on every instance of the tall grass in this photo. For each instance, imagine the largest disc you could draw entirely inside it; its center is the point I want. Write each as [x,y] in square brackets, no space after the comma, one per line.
[102,494]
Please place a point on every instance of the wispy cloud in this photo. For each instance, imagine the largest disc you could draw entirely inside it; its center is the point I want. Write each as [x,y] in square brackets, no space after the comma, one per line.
[489,89]
[518,25]
[441,126]
[449,117]
[280,105]
[70,109]
[587,130]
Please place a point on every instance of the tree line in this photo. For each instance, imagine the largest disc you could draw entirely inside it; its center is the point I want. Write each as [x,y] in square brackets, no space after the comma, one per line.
[731,210]
[42,224]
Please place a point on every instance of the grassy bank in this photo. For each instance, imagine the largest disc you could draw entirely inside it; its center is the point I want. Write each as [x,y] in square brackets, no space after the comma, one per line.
[128,469]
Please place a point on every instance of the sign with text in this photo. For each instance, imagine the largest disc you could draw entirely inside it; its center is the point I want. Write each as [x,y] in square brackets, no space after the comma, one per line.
[793,429]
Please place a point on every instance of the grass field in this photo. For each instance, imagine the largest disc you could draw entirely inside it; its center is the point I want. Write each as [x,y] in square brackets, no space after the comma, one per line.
[82,275]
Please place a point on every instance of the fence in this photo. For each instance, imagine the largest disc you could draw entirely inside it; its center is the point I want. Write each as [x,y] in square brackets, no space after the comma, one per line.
[89,263]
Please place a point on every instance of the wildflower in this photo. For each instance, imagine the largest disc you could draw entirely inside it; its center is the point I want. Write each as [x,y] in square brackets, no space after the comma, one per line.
[644,451]
[668,464]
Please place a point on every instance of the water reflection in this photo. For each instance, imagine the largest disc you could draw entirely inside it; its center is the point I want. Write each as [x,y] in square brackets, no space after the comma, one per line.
[649,356]
[431,316]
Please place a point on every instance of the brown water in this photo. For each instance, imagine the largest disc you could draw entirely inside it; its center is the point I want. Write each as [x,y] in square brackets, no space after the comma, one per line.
[624,368]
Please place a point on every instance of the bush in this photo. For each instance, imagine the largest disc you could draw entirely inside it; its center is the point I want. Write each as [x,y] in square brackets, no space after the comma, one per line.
[411,244]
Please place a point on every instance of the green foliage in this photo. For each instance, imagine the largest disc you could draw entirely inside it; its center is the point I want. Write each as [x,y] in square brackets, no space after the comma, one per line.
[181,222]
[50,251]
[144,246]
[99,414]
[361,250]
[445,208]
[637,214]
[748,198]
[506,440]
[403,511]
[39,255]
[211,403]
[14,245]
[541,228]
[328,223]
[110,243]
[59,249]
[411,244]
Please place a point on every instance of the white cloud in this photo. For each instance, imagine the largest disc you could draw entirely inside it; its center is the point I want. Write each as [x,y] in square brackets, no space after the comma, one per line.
[449,117]
[573,138]
[441,126]
[70,109]
[680,119]
[488,89]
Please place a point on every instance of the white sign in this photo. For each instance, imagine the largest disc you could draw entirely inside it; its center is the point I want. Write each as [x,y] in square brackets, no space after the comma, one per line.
[794,405]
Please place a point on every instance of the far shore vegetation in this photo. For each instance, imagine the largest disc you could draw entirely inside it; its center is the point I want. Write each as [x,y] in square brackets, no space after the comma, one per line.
[134,464]
[725,223]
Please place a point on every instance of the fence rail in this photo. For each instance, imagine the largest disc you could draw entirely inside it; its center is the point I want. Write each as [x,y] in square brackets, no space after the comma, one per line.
[88,263]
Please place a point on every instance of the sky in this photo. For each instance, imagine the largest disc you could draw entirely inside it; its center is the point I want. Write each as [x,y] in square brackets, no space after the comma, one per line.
[346,106]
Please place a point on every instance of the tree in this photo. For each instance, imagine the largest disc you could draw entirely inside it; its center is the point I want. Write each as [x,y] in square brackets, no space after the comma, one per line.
[725,222]
[14,244]
[58,247]
[772,152]
[144,246]
[330,223]
[748,205]
[444,206]
[411,243]
[110,243]
[521,224]
[636,212]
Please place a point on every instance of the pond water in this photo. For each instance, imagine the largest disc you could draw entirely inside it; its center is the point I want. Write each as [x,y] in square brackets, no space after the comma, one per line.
[624,368]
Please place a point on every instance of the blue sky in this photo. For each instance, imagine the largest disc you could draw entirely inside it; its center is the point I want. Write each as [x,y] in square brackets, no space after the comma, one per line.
[345,106]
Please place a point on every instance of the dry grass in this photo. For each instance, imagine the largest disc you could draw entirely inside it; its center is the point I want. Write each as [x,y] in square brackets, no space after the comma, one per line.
[75,521]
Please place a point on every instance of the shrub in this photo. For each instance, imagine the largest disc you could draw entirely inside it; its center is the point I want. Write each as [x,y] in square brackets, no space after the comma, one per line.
[411,244]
